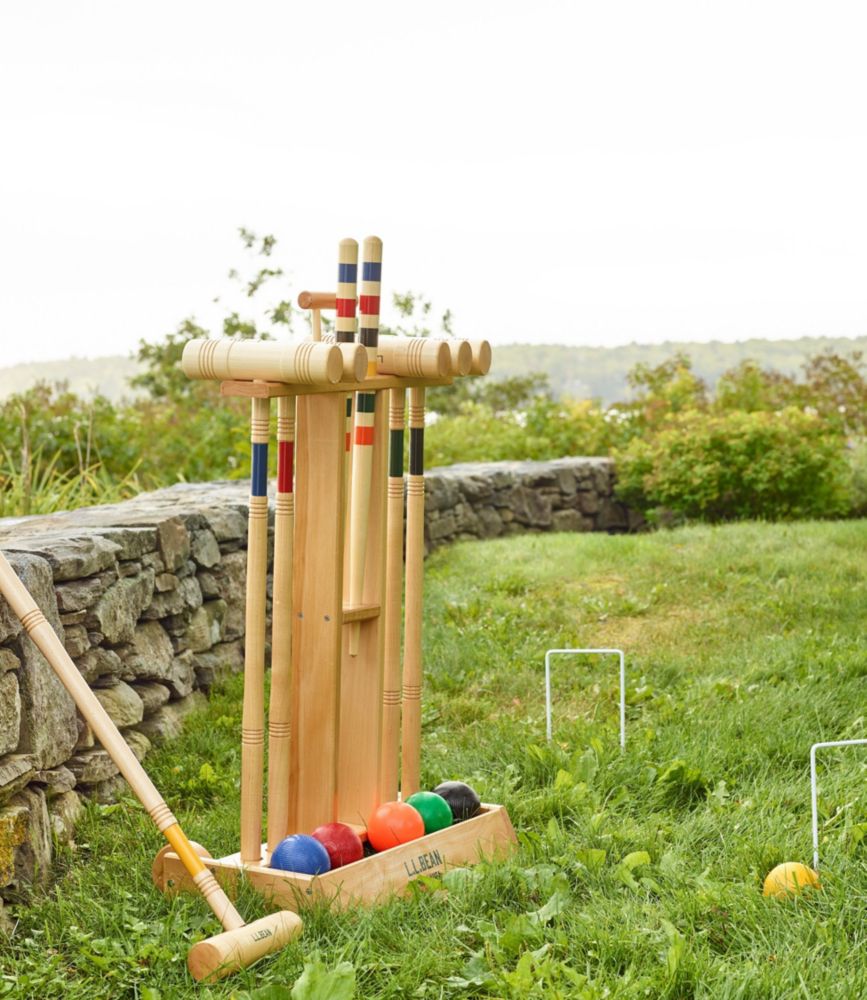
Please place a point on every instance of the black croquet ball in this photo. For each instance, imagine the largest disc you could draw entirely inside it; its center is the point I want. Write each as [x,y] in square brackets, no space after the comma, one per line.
[463,800]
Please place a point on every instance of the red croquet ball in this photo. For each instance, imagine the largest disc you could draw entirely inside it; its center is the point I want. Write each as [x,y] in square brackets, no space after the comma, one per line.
[394,823]
[342,843]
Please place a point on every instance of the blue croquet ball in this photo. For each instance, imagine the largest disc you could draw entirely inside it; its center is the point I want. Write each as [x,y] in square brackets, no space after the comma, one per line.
[300,853]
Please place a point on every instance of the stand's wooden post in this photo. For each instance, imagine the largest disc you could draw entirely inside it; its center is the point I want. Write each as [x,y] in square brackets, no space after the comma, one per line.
[253,714]
[317,600]
[391,679]
[412,640]
[279,714]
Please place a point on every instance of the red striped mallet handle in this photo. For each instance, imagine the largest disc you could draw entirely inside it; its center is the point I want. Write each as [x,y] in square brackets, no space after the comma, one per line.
[345,303]
[412,641]
[281,629]
[362,452]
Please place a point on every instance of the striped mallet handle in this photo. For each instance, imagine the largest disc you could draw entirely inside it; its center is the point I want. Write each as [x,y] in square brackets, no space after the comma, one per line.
[362,452]
[412,641]
[344,332]
[253,713]
[240,944]
[391,679]
[281,629]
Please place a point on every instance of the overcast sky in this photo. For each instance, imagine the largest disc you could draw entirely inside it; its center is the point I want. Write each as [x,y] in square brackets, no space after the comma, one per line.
[587,173]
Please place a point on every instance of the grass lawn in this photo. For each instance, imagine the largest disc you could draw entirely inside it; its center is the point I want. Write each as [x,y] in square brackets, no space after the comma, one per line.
[639,874]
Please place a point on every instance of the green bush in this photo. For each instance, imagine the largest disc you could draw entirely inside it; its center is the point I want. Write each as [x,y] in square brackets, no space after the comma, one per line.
[858,468]
[728,466]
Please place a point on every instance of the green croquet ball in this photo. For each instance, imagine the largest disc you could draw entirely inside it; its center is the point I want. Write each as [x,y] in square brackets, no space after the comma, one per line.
[434,810]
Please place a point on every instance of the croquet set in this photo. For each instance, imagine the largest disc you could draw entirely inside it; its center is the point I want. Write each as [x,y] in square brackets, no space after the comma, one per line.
[346,820]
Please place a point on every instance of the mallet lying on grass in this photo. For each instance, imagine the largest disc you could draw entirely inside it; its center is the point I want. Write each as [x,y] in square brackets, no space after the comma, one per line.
[241,944]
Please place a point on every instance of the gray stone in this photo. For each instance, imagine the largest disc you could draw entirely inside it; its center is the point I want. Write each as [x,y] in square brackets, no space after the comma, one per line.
[228,523]
[442,528]
[490,522]
[167,722]
[137,742]
[10,712]
[204,549]
[132,542]
[152,695]
[531,508]
[187,596]
[99,662]
[14,827]
[64,813]
[130,568]
[118,610]
[16,770]
[108,791]
[91,766]
[73,618]
[570,520]
[209,584]
[48,727]
[231,575]
[149,655]
[181,676]
[76,640]
[206,626]
[218,663]
[123,705]
[164,582]
[70,558]
[86,739]
[55,781]
[589,503]
[173,542]
[31,858]
[79,594]
[8,660]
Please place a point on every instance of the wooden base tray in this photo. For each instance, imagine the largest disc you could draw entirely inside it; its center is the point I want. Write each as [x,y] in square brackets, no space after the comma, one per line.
[371,880]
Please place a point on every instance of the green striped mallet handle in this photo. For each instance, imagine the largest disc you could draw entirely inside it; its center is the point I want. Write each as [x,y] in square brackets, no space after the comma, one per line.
[412,640]
[362,451]
[391,678]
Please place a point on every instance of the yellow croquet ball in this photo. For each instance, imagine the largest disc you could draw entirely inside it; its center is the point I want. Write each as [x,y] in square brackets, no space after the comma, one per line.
[788,879]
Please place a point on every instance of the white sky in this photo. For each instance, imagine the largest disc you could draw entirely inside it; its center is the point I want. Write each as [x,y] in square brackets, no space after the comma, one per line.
[588,173]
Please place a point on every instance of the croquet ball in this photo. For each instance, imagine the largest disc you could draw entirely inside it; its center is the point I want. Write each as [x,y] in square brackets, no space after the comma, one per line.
[394,823]
[788,879]
[342,843]
[300,853]
[463,800]
[434,810]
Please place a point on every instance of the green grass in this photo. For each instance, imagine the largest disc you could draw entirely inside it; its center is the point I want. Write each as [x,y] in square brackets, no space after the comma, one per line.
[639,875]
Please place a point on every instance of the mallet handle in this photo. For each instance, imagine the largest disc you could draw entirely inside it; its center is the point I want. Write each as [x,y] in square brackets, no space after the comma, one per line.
[48,643]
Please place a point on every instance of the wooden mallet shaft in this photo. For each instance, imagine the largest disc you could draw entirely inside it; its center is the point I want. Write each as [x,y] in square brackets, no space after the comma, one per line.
[362,451]
[346,303]
[412,632]
[241,944]
[253,712]
[279,713]
[391,678]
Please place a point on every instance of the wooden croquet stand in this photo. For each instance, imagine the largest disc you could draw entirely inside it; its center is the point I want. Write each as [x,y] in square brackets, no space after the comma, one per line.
[337,698]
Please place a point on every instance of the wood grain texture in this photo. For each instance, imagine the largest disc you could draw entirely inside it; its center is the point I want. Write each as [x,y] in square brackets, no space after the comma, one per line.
[420,357]
[265,389]
[253,712]
[279,713]
[361,675]
[317,598]
[412,632]
[303,361]
[391,677]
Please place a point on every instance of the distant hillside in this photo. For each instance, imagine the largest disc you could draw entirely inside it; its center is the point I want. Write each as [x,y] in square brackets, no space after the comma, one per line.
[581,372]
[600,372]
[86,376]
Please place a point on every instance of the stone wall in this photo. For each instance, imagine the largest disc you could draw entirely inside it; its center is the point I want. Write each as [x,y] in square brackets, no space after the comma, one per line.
[148,597]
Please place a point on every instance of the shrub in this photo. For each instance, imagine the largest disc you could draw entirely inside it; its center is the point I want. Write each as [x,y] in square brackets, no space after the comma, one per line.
[728,466]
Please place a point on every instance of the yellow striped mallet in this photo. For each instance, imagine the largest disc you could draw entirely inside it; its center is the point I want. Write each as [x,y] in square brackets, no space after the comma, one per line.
[240,944]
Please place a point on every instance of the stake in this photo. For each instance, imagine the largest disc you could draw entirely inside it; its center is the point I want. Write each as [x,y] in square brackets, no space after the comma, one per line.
[281,629]
[412,652]
[253,713]
[344,331]
[362,453]
[241,944]
[393,594]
